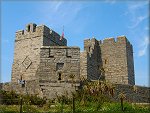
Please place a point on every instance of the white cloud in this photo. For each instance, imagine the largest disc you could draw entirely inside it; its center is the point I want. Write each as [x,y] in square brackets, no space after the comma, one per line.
[138,14]
[134,5]
[144,46]
[57,6]
[53,6]
[57,14]
[137,21]
[61,12]
[133,12]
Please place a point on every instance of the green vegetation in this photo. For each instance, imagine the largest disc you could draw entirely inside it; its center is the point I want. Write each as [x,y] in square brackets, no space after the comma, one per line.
[93,98]
[11,98]
[90,108]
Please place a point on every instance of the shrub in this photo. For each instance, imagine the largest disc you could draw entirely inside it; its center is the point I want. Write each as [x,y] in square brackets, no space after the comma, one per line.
[9,98]
[35,100]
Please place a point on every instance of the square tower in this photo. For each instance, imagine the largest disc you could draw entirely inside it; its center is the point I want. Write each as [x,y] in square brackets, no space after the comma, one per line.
[108,59]
[117,60]
[27,50]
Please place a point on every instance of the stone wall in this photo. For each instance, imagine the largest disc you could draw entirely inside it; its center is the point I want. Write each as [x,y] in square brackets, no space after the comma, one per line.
[90,59]
[83,65]
[133,93]
[31,87]
[49,89]
[52,89]
[108,59]
[51,38]
[57,65]
[59,62]
[27,50]
[117,60]
[41,56]
[26,54]
[130,63]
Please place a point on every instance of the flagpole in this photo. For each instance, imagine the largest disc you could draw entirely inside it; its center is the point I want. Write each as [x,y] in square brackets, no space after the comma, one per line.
[62,36]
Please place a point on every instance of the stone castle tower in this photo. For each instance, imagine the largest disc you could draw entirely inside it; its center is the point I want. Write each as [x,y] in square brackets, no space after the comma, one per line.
[50,68]
[41,56]
[27,50]
[108,59]
[38,45]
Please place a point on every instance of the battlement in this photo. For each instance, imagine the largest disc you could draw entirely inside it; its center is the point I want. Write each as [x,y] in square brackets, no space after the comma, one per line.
[91,41]
[33,28]
[32,31]
[119,40]
[108,40]
[30,28]
[122,39]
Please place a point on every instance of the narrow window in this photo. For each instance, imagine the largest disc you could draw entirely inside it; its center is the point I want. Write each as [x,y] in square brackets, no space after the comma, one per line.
[89,49]
[105,61]
[28,28]
[59,76]
[59,66]
[34,27]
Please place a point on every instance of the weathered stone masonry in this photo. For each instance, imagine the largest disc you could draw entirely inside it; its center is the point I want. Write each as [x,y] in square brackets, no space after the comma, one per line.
[41,57]
[57,63]
[50,68]
[113,60]
[27,50]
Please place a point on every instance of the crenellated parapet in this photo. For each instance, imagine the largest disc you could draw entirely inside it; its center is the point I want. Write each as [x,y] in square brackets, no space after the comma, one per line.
[119,40]
[33,31]
[108,41]
[90,44]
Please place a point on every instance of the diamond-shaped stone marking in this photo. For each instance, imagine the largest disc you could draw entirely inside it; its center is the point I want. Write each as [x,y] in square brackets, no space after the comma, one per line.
[27,62]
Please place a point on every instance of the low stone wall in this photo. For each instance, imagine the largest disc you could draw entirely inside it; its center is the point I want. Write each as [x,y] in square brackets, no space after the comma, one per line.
[135,94]
[31,87]
[51,90]
[48,89]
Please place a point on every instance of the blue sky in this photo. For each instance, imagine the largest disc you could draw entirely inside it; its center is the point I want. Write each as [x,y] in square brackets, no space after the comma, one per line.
[81,20]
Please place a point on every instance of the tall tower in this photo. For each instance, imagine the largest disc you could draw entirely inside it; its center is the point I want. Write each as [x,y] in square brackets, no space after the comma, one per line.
[117,60]
[27,50]
[43,59]
[108,59]
[90,60]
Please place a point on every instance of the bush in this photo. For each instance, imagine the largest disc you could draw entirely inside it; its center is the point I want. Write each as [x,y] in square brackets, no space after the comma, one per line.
[35,100]
[11,98]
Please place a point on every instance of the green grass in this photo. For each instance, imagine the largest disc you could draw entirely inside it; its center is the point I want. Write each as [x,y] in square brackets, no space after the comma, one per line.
[88,108]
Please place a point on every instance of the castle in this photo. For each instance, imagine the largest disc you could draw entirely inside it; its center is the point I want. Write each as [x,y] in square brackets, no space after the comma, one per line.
[48,66]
